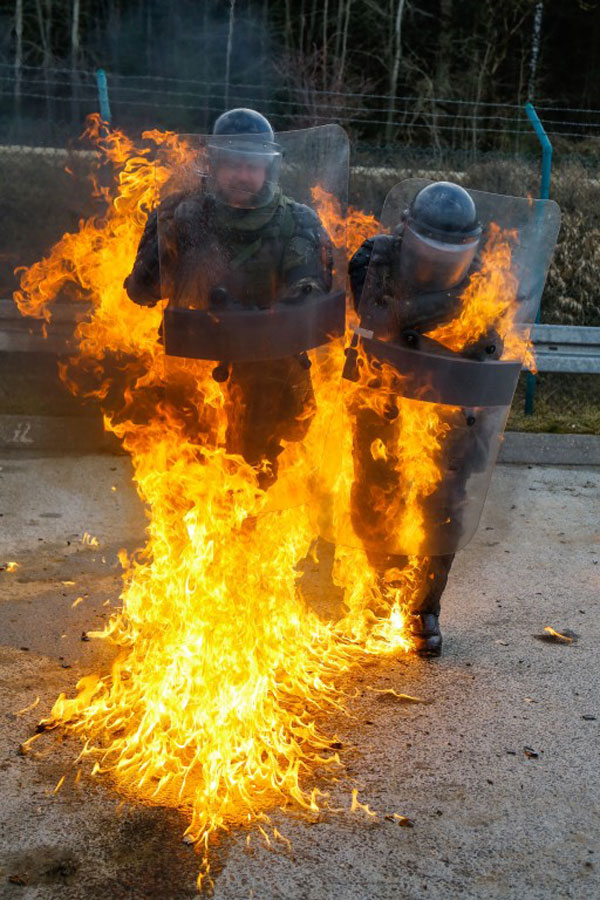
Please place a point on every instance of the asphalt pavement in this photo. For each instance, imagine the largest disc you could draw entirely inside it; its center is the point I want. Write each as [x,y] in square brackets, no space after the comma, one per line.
[498,772]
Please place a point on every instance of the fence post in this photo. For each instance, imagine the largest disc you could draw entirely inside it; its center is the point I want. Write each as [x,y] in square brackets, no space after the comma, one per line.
[103,95]
[544,195]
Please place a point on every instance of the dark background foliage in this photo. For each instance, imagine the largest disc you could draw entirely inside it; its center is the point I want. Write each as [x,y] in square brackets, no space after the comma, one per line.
[442,73]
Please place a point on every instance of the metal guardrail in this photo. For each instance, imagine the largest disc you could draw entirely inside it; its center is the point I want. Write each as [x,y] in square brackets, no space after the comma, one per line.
[25,334]
[559,348]
[58,152]
[567,348]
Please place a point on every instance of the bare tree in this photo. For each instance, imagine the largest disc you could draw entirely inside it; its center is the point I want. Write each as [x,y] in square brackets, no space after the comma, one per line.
[75,11]
[324,43]
[395,57]
[228,52]
[535,48]
[43,10]
[149,37]
[338,27]
[344,48]
[18,55]
[305,74]
[444,50]
[482,71]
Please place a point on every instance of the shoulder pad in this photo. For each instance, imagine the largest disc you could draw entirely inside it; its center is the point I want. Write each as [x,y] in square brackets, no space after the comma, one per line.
[305,218]
[377,249]
[362,255]
[384,246]
[170,203]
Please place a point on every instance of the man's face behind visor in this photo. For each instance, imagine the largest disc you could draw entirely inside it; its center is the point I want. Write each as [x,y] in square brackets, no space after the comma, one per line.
[240,178]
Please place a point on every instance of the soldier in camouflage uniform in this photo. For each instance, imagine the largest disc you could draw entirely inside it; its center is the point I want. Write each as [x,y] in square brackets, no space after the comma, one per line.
[241,242]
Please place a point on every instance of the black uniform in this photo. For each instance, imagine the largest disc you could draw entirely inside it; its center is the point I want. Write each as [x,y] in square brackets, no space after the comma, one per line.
[394,312]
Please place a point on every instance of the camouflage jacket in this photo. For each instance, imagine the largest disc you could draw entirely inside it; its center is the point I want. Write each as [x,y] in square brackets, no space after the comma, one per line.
[197,252]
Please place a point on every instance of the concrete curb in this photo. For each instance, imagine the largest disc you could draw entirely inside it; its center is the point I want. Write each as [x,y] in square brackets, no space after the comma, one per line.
[64,434]
[71,434]
[530,448]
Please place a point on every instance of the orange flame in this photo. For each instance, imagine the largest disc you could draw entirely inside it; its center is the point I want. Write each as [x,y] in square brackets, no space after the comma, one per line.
[348,229]
[222,668]
[411,450]
[489,302]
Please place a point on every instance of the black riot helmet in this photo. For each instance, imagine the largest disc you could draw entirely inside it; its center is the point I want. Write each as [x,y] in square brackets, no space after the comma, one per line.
[440,237]
[243,140]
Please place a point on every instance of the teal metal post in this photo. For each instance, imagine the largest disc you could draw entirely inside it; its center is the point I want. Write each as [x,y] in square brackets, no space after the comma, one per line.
[544,195]
[103,95]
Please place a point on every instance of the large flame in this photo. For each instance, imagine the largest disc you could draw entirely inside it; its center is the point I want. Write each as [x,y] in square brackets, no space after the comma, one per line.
[489,301]
[221,666]
[413,451]
[348,229]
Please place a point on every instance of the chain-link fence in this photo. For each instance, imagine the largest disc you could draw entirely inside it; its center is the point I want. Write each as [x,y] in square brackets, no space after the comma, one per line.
[47,105]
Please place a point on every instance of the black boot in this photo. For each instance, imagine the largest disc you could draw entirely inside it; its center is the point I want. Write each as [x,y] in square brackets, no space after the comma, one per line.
[426,634]
[424,621]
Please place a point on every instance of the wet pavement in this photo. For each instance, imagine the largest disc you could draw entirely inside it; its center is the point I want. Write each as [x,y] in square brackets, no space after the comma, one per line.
[498,771]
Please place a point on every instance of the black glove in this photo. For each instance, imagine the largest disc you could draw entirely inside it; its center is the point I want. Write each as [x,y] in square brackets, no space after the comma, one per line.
[488,346]
[137,292]
[423,312]
[301,289]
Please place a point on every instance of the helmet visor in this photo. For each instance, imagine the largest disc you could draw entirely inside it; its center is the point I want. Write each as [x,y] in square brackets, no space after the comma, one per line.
[431,265]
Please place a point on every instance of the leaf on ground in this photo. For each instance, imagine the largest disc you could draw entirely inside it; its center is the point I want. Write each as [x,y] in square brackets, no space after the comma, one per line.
[390,695]
[552,636]
[403,821]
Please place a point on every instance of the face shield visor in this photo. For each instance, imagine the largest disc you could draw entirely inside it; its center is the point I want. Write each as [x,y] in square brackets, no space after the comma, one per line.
[428,263]
[244,169]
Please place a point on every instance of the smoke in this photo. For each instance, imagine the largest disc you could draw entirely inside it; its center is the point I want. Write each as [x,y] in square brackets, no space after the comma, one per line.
[181,76]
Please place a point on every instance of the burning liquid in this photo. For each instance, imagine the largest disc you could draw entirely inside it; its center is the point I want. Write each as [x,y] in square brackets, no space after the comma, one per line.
[221,667]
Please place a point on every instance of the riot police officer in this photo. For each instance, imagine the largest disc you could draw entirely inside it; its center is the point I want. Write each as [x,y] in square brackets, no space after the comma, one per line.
[405,284]
[236,241]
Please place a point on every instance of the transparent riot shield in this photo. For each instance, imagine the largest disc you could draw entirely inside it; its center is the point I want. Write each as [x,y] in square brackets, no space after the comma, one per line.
[431,372]
[252,260]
